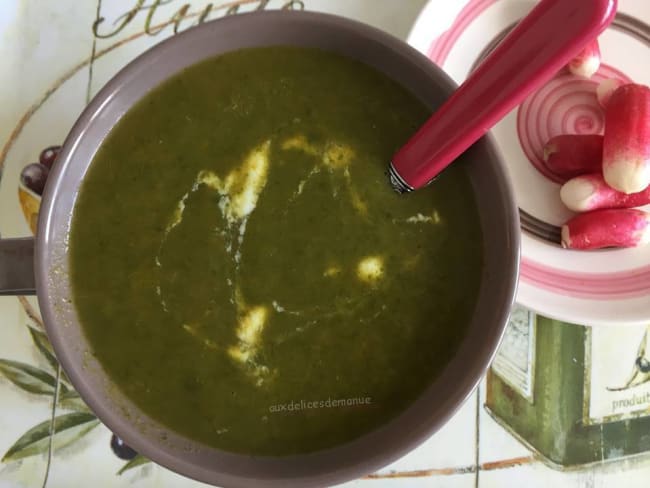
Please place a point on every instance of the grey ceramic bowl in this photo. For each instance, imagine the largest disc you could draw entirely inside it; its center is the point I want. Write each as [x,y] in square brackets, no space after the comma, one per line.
[499,222]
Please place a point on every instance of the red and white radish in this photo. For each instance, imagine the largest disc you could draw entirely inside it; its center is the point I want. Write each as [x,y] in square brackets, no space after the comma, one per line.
[606,89]
[626,147]
[591,192]
[627,227]
[587,63]
[572,155]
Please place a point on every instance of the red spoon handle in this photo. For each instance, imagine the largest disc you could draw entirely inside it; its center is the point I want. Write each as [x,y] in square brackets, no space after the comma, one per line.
[552,34]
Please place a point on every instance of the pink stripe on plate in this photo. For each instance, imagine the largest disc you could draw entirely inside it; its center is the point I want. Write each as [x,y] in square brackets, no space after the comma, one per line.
[613,286]
[440,48]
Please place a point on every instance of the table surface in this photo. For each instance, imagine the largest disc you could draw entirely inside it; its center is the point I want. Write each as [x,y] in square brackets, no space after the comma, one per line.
[52,61]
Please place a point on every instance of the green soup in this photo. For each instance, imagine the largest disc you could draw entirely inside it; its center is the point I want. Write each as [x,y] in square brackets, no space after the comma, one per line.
[243,271]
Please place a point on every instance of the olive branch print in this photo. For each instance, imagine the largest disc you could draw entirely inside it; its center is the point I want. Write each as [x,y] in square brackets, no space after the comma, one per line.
[74,422]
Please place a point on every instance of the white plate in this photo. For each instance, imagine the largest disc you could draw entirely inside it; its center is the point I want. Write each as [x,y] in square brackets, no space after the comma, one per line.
[608,287]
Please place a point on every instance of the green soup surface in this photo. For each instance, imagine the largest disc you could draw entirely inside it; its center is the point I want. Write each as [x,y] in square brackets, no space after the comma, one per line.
[242,269]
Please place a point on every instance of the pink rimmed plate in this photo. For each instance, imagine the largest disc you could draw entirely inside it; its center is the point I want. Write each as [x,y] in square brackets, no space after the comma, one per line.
[607,287]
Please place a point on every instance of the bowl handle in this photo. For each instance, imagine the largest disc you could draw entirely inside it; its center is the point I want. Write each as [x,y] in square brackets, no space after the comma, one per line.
[17,266]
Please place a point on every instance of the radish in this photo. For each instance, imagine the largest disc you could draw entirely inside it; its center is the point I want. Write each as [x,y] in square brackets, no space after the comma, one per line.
[626,147]
[587,63]
[607,228]
[590,192]
[572,155]
[606,89]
